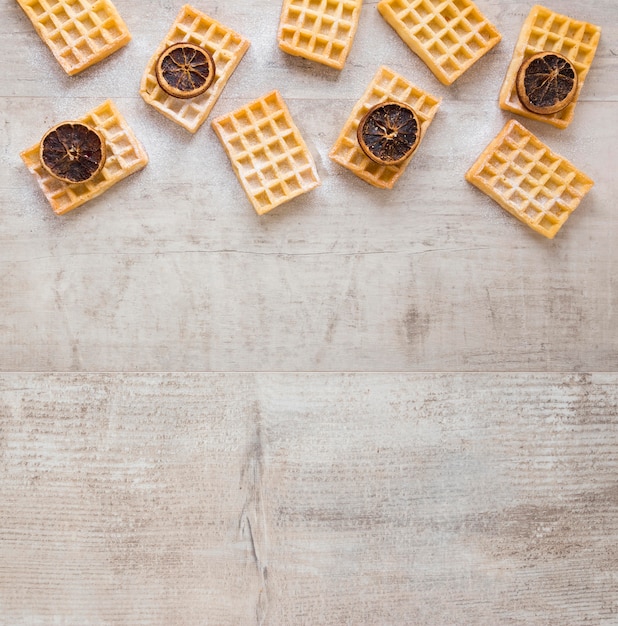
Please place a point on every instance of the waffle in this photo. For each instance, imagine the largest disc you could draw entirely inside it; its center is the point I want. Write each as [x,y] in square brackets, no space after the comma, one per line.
[227,49]
[448,35]
[319,30]
[267,152]
[545,30]
[386,85]
[79,33]
[125,156]
[527,179]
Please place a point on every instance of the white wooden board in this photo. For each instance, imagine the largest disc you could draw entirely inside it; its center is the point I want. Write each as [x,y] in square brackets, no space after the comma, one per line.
[172,269]
[270,499]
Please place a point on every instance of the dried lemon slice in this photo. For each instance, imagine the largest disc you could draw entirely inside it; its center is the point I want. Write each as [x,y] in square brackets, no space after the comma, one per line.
[546,83]
[73,152]
[389,133]
[185,70]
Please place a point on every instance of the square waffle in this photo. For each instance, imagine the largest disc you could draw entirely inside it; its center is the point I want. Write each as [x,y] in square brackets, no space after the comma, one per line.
[448,35]
[542,31]
[537,186]
[125,156]
[319,30]
[386,85]
[227,49]
[268,154]
[79,33]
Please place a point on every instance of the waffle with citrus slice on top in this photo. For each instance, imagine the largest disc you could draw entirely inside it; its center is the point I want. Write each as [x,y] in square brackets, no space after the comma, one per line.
[546,31]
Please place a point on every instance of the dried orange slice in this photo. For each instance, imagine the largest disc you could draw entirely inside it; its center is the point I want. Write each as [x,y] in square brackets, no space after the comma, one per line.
[389,133]
[185,70]
[546,83]
[73,152]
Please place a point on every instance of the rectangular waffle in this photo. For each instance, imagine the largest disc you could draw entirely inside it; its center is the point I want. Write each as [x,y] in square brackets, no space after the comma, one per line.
[542,31]
[79,33]
[268,154]
[125,156]
[448,35]
[537,186]
[227,49]
[386,85]
[319,30]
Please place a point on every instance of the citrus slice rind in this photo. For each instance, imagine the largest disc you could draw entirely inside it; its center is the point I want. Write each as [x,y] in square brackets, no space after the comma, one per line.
[546,83]
[185,70]
[73,152]
[389,133]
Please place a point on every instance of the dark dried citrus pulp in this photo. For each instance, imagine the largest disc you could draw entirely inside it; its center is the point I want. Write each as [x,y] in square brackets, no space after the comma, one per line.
[185,70]
[73,152]
[389,133]
[546,83]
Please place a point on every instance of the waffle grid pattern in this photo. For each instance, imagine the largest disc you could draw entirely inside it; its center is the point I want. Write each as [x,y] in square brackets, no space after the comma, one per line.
[319,30]
[267,152]
[537,186]
[386,85]
[79,33]
[227,49]
[125,156]
[545,30]
[448,35]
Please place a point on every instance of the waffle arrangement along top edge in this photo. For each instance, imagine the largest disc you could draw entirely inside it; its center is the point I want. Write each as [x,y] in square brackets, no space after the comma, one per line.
[543,29]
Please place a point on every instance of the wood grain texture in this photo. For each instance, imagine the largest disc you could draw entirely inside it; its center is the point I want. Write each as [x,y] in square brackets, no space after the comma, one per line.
[424,499]
[172,269]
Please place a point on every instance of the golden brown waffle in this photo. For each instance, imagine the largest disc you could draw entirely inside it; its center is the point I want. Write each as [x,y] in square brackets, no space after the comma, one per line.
[80,33]
[527,179]
[125,156]
[227,49]
[386,85]
[267,152]
[449,35]
[319,30]
[545,30]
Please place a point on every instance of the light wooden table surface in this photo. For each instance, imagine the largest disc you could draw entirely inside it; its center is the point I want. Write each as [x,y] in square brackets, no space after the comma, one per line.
[373,499]
[172,270]
[324,499]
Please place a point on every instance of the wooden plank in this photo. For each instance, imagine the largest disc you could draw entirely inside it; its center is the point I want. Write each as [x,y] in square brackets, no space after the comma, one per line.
[172,269]
[125,501]
[308,499]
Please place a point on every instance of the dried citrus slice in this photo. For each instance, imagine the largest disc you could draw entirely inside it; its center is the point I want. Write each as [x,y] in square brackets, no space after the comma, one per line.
[73,152]
[546,83]
[185,70]
[389,133]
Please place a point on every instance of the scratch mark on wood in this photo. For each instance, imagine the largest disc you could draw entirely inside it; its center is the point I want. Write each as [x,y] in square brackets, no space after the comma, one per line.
[253,519]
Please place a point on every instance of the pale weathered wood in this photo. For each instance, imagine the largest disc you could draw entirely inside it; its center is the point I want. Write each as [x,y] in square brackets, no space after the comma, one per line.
[372,499]
[172,269]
